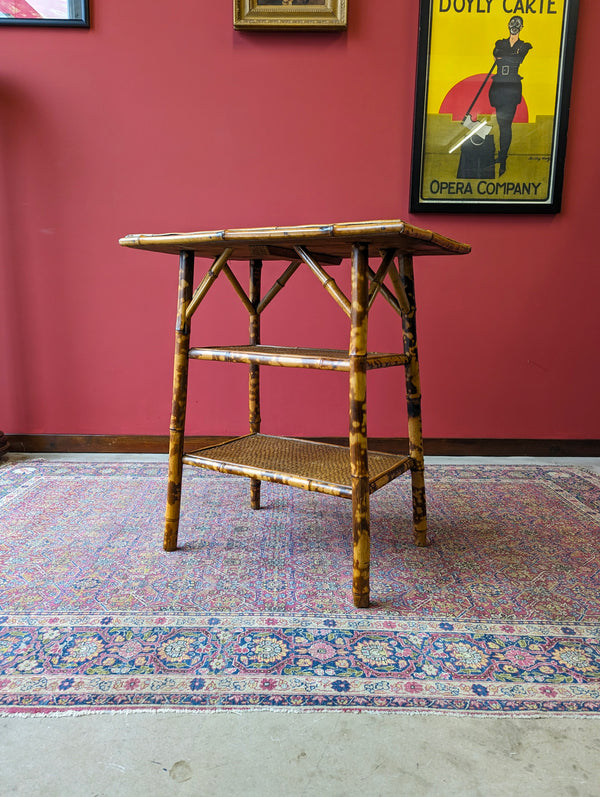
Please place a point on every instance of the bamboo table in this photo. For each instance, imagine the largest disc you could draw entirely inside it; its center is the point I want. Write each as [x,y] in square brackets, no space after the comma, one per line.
[350,472]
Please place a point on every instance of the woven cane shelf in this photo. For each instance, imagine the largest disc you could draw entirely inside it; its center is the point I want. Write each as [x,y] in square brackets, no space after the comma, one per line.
[320,467]
[293,357]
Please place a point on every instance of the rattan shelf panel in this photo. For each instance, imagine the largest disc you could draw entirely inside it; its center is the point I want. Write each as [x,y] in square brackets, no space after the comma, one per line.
[293,357]
[320,467]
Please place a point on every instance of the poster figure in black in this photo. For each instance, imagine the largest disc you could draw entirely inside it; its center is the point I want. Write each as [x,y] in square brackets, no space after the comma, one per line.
[506,90]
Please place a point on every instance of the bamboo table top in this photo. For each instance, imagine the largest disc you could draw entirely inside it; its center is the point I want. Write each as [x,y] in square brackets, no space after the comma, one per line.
[275,243]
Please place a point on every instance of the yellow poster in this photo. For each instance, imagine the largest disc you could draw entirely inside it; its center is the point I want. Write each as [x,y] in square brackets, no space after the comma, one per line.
[492,104]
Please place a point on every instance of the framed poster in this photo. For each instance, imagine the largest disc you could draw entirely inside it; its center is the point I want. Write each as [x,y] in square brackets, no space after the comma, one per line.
[64,13]
[289,14]
[492,105]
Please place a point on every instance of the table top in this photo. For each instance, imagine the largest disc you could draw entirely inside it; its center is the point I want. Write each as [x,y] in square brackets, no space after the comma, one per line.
[276,243]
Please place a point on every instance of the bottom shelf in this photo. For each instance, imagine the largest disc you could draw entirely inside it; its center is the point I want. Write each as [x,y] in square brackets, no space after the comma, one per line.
[320,467]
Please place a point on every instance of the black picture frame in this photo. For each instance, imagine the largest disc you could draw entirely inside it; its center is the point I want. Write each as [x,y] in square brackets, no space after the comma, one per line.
[460,159]
[78,12]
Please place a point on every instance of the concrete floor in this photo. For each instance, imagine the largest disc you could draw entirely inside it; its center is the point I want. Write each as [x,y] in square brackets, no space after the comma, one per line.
[281,753]
[277,754]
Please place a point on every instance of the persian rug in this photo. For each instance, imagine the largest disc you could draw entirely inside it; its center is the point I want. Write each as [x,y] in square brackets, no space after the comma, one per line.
[500,614]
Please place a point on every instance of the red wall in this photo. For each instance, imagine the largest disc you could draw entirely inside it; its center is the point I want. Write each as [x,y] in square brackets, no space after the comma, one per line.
[158,120]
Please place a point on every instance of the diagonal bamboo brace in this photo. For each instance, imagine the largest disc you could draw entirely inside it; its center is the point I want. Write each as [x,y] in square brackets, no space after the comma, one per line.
[238,288]
[378,279]
[386,292]
[277,286]
[326,281]
[210,276]
[399,288]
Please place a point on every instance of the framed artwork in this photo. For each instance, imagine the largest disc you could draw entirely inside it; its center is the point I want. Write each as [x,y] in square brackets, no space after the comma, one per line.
[492,105]
[289,14]
[66,13]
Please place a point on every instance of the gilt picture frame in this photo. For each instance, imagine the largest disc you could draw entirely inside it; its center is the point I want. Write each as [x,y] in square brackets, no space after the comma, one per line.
[56,13]
[492,105]
[290,14]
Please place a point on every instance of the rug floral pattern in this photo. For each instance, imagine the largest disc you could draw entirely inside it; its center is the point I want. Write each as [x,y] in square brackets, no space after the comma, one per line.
[500,614]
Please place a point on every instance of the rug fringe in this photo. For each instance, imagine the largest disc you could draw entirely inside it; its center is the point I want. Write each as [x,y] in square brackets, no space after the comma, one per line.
[482,715]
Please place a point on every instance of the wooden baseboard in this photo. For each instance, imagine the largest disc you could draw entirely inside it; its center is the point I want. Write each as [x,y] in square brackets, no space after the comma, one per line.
[159,444]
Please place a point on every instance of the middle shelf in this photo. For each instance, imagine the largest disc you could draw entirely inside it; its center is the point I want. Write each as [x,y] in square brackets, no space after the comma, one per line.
[294,357]
[320,467]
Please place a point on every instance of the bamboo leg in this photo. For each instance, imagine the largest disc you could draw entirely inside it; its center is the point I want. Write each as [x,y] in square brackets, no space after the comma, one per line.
[359,465]
[180,376]
[254,379]
[413,403]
